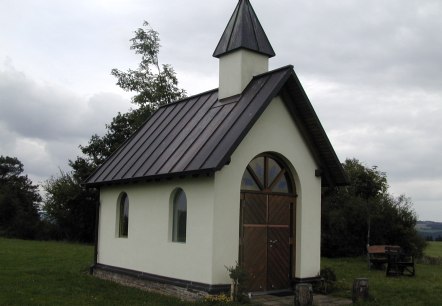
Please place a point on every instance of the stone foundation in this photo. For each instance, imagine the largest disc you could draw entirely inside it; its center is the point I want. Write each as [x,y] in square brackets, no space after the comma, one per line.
[183,290]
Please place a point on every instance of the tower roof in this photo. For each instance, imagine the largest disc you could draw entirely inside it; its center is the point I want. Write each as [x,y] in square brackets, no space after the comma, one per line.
[244,31]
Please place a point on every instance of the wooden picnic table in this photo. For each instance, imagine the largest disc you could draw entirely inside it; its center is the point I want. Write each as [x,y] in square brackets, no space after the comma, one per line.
[398,263]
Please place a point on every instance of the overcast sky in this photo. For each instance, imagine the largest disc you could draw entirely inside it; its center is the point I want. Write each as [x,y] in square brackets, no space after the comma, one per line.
[372,70]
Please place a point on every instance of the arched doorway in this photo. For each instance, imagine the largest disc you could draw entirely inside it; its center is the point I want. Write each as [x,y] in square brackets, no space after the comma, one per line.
[267,224]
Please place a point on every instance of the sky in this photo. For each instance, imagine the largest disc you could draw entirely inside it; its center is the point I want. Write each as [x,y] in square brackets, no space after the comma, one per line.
[372,70]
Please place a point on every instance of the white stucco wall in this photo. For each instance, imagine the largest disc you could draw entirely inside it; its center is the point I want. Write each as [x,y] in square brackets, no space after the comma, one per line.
[212,212]
[148,247]
[236,70]
[274,131]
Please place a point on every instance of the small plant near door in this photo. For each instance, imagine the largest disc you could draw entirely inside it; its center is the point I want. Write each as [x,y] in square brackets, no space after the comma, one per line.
[327,282]
[217,299]
[239,278]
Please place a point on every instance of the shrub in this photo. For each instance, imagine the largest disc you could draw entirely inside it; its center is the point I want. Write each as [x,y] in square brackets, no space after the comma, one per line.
[327,282]
[239,278]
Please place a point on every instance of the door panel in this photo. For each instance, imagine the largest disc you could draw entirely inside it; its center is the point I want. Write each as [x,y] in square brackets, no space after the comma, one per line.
[254,257]
[265,233]
[255,209]
[278,261]
[279,210]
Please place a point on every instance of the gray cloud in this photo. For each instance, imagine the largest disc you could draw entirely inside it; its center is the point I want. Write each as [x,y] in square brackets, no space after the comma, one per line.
[372,70]
[43,125]
[50,112]
[396,130]
[384,43]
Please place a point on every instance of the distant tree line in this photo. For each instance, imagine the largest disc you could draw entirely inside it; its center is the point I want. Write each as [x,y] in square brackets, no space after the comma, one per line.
[19,201]
[431,238]
[430,230]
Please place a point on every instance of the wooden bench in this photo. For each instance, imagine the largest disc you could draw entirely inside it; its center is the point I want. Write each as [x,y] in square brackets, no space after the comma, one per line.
[378,255]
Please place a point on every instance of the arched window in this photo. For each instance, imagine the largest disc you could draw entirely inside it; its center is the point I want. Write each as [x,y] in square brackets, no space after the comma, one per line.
[265,174]
[123,215]
[179,216]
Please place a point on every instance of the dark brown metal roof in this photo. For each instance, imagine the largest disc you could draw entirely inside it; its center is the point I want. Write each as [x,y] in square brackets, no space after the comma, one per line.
[198,135]
[244,31]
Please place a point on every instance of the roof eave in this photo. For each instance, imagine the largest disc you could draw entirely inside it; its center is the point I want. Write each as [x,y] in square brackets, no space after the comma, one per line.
[268,54]
[160,177]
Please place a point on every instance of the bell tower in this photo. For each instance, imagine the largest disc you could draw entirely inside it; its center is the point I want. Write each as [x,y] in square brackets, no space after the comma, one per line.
[243,51]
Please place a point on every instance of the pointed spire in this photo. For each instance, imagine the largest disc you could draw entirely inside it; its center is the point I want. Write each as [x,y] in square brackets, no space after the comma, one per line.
[244,31]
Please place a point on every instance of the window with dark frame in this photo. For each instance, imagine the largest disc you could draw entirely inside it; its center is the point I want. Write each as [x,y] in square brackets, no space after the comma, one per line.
[123,216]
[265,174]
[179,217]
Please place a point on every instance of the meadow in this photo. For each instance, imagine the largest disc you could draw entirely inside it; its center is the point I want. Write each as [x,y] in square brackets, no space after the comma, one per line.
[422,289]
[55,273]
[434,249]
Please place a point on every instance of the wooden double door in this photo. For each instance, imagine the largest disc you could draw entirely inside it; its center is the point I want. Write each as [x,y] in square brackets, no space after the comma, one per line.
[266,240]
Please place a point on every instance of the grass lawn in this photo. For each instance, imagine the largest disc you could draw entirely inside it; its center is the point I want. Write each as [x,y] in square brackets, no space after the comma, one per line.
[423,289]
[54,273]
[434,249]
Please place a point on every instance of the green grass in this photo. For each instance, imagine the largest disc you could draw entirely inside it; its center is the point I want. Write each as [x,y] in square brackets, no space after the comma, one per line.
[434,249]
[54,273]
[423,289]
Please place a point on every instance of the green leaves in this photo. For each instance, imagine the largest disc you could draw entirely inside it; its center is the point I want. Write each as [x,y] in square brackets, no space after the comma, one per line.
[146,43]
[366,182]
[9,167]
[155,84]
[347,213]
[19,200]
[69,207]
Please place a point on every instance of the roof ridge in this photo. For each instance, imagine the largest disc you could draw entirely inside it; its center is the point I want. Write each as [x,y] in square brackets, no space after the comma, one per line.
[216,89]
[286,67]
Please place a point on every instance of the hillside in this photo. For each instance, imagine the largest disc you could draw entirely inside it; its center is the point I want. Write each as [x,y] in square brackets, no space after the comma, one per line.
[430,228]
